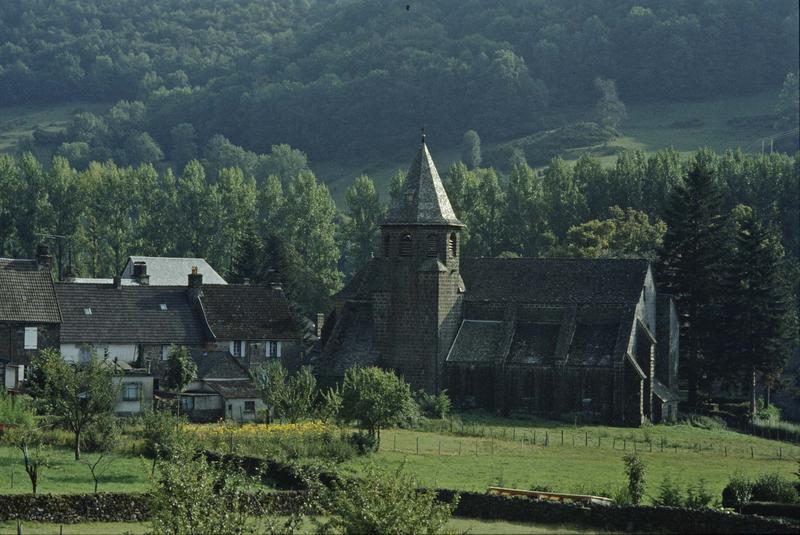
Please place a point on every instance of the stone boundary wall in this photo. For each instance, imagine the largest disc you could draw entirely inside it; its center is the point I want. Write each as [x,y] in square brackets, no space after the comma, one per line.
[120,507]
[615,518]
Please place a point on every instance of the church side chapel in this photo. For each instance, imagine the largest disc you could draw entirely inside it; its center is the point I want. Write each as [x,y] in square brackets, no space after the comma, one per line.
[550,337]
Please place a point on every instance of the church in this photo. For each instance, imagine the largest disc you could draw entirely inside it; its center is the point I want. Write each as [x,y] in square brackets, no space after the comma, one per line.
[586,338]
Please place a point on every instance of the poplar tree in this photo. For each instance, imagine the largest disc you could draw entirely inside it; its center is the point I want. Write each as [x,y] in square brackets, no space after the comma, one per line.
[525,223]
[690,266]
[364,214]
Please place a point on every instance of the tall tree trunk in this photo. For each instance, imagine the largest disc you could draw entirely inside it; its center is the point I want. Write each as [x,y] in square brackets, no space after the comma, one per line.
[753,394]
[77,445]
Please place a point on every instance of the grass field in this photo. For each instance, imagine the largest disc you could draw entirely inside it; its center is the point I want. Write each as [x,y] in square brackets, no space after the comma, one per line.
[67,476]
[685,126]
[19,121]
[456,525]
[511,458]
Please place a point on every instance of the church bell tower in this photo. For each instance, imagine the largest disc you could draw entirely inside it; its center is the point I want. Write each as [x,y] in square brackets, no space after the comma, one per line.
[420,245]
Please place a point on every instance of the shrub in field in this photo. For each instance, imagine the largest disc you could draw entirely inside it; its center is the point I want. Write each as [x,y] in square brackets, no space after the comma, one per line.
[738,491]
[160,432]
[289,396]
[28,439]
[15,411]
[698,496]
[701,421]
[434,405]
[191,495]
[363,443]
[381,502]
[635,470]
[773,488]
[669,494]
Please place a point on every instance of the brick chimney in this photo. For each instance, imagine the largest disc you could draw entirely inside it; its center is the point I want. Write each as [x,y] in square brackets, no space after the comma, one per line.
[43,257]
[116,281]
[69,274]
[140,273]
[195,284]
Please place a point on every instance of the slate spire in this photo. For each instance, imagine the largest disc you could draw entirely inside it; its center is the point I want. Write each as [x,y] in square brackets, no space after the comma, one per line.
[423,200]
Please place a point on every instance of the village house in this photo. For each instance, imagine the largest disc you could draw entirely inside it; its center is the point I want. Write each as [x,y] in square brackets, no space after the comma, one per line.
[223,389]
[512,335]
[155,271]
[136,326]
[30,318]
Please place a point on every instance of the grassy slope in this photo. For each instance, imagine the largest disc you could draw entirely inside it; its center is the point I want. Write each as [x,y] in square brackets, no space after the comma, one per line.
[647,128]
[581,468]
[19,121]
[66,476]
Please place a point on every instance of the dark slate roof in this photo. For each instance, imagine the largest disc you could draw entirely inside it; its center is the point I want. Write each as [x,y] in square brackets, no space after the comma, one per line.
[534,343]
[235,389]
[247,312]
[128,315]
[27,293]
[663,392]
[593,344]
[218,365]
[350,343]
[543,280]
[423,200]
[477,341]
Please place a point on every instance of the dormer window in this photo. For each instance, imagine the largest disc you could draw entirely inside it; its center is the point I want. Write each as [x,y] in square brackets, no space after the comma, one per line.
[87,311]
[405,245]
[163,306]
[430,246]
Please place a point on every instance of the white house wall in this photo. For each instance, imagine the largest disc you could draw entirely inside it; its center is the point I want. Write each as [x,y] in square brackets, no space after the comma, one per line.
[122,352]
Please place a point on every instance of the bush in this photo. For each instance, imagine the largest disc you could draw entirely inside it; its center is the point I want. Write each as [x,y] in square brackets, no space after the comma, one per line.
[701,421]
[773,488]
[634,468]
[384,503]
[434,405]
[160,432]
[738,491]
[698,496]
[364,443]
[101,435]
[15,410]
[669,494]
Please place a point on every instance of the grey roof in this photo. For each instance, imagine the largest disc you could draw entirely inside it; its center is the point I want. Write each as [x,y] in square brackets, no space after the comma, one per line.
[248,312]
[477,341]
[218,365]
[128,315]
[534,343]
[545,280]
[27,293]
[527,280]
[663,392]
[423,200]
[350,343]
[593,344]
[235,389]
[168,271]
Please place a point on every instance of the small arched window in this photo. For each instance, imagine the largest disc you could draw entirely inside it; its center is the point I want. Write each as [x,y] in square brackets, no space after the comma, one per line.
[453,245]
[387,246]
[405,245]
[430,246]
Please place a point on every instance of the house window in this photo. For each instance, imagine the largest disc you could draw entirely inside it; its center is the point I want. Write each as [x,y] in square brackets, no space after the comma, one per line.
[187,403]
[273,349]
[387,246]
[405,245]
[87,311]
[163,306]
[237,348]
[165,352]
[250,406]
[453,244]
[31,337]
[430,249]
[131,391]
[84,353]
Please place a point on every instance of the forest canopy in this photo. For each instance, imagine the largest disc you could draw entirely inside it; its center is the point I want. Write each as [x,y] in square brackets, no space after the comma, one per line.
[340,78]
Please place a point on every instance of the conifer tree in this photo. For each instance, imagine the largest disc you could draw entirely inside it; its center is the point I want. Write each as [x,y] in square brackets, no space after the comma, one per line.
[690,262]
[758,316]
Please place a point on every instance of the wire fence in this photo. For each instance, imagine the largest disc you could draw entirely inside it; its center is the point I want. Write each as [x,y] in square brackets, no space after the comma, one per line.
[515,441]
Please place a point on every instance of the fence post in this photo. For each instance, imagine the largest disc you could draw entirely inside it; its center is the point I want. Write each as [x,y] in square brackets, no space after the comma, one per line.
[417,445]
[614,444]
[726,450]
[650,444]
[752,455]
[586,439]
[624,444]
[515,433]
[395,441]
[598,441]
[573,441]
[476,448]
[459,447]
[562,437]
[534,437]
[440,446]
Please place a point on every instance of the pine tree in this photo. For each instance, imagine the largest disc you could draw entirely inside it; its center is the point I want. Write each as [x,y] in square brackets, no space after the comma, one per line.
[759,319]
[690,262]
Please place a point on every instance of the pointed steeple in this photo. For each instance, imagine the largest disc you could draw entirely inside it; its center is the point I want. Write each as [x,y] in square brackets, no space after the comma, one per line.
[423,200]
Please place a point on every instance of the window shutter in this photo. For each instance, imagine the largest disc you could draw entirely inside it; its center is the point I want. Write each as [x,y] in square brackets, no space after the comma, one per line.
[31,337]
[279,349]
